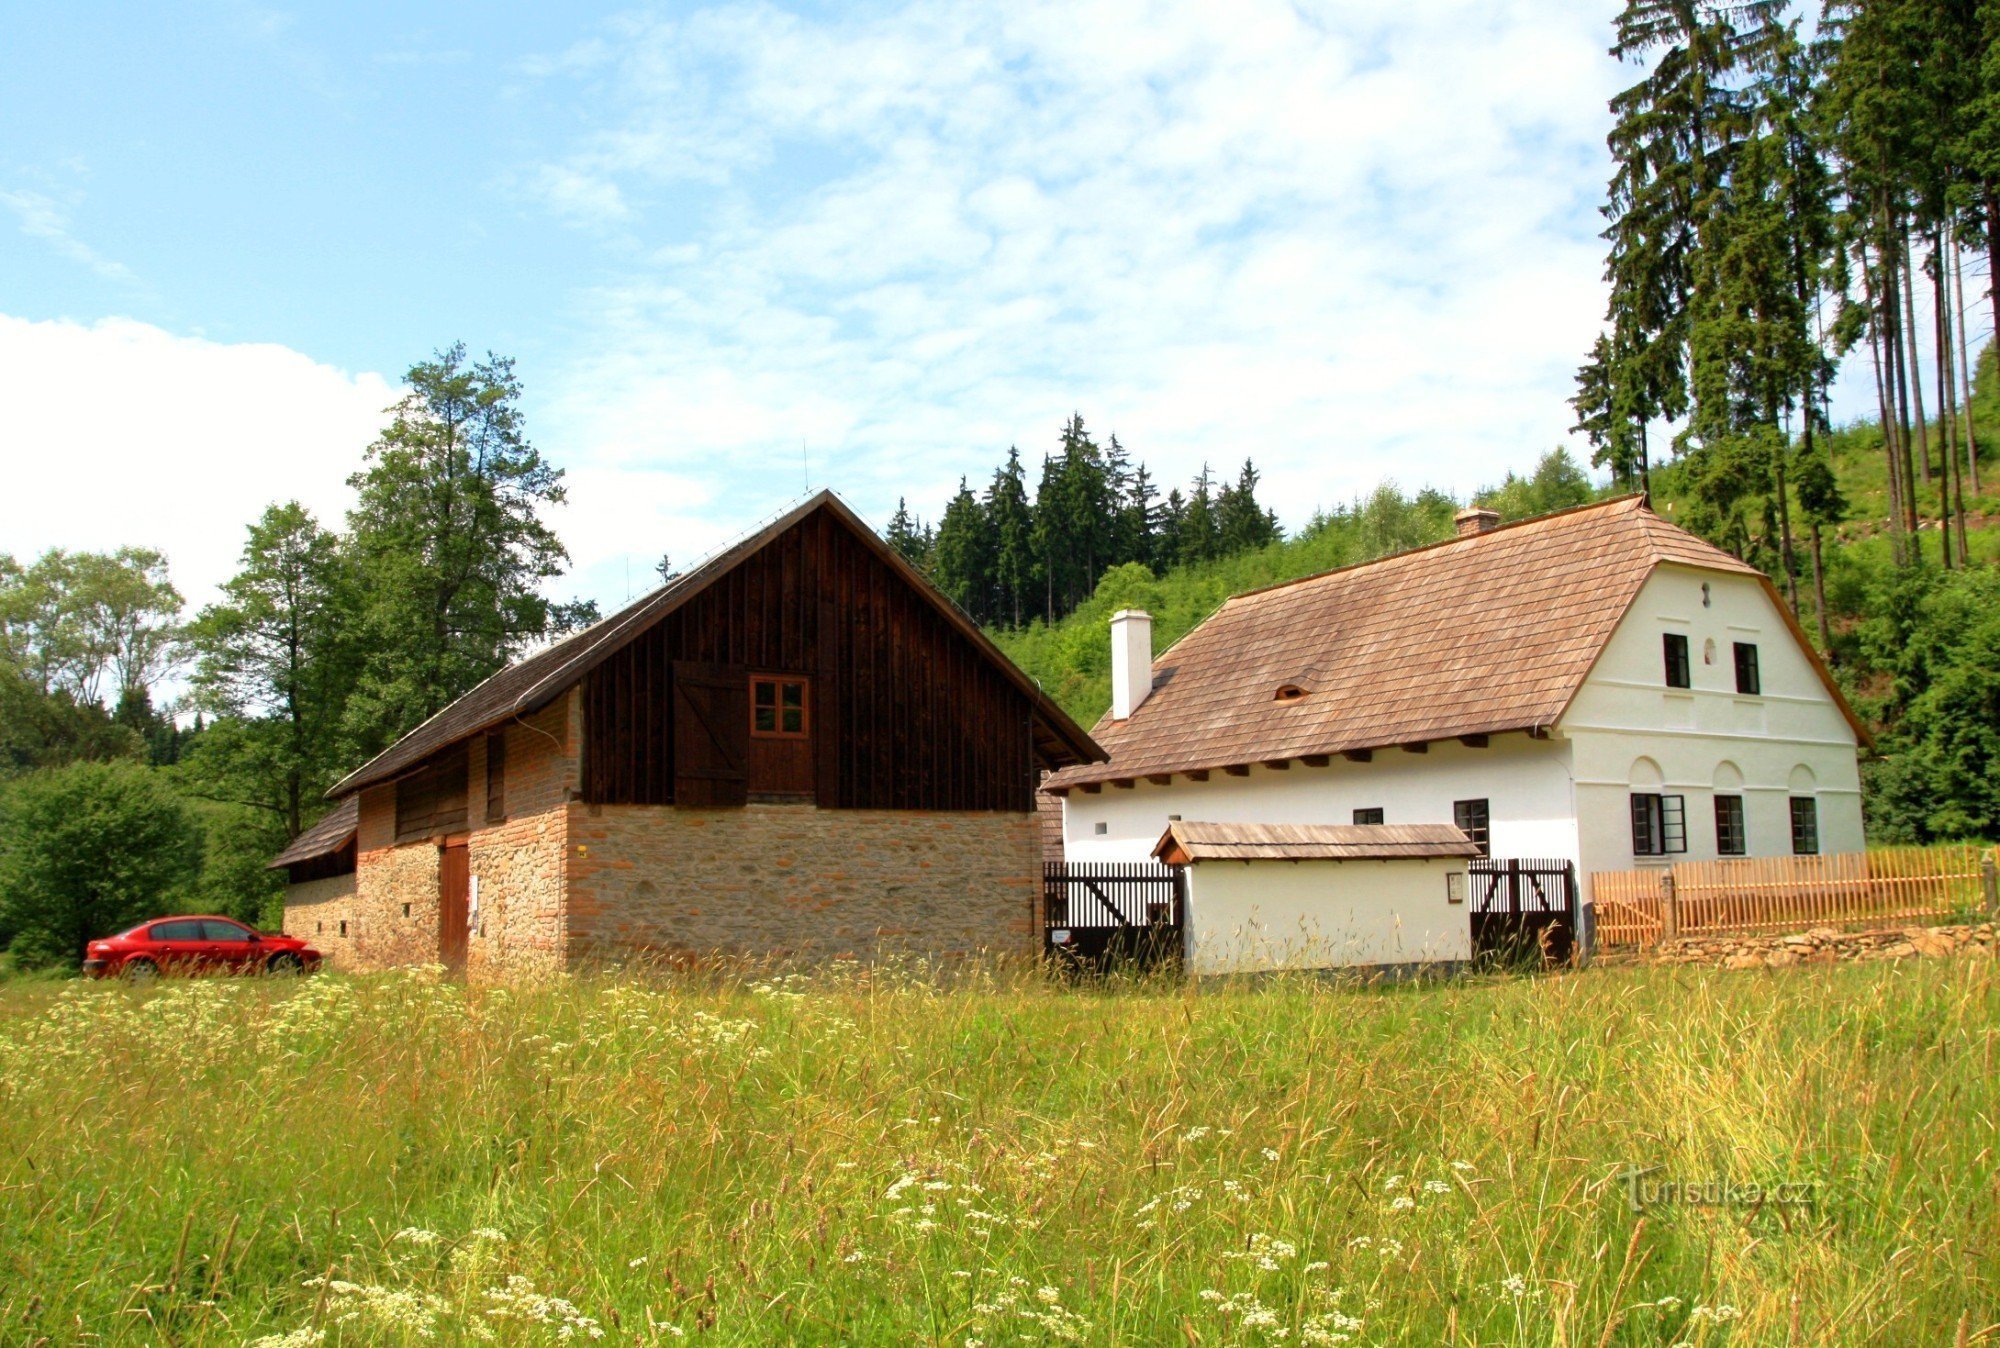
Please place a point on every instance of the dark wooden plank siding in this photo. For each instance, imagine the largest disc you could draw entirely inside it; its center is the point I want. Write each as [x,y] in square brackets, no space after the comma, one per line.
[906,713]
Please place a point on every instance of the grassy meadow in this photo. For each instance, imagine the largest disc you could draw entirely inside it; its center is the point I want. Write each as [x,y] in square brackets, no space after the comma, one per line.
[987,1157]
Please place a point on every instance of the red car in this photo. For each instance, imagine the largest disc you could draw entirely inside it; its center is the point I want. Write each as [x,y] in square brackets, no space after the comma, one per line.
[196,944]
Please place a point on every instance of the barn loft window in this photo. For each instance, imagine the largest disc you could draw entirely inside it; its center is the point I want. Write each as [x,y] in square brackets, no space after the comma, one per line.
[1675,647]
[778,707]
[431,800]
[1290,692]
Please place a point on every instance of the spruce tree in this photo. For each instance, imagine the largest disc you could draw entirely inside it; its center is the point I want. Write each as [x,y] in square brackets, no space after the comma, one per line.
[1014,568]
[963,557]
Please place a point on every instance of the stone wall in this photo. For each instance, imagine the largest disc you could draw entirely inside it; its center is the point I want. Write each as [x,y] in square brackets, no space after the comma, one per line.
[322,913]
[1824,945]
[516,860]
[799,881]
[396,889]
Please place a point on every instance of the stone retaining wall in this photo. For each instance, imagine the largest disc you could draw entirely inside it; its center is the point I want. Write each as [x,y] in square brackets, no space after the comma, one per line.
[1824,945]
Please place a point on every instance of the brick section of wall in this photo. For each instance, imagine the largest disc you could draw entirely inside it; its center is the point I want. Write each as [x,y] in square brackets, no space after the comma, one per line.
[518,862]
[314,911]
[797,880]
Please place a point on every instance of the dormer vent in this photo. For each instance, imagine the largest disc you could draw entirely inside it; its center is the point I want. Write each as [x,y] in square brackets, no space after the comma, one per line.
[1290,692]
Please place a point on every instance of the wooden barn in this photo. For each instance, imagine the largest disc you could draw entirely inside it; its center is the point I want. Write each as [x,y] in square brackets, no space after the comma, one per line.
[798,748]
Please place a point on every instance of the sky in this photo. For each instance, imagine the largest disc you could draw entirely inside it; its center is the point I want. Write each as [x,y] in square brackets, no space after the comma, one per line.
[743,249]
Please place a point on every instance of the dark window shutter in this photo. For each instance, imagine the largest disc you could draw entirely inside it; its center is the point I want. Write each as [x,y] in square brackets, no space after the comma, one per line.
[711,735]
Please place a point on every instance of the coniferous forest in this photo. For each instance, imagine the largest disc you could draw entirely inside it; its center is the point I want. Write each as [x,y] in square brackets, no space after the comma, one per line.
[1792,196]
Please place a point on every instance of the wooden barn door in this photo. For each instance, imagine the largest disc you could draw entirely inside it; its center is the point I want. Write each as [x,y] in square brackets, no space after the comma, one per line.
[454,884]
[711,735]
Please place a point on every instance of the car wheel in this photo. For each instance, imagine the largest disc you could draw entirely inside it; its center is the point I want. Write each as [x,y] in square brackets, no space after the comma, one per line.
[140,970]
[285,962]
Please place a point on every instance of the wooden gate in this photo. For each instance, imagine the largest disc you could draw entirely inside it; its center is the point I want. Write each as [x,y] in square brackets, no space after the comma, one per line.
[1098,914]
[1524,909]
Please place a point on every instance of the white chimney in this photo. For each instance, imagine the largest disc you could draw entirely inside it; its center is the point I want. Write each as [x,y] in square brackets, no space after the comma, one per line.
[1131,661]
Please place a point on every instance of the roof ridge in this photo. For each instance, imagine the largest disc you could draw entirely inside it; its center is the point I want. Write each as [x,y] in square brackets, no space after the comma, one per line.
[1447,542]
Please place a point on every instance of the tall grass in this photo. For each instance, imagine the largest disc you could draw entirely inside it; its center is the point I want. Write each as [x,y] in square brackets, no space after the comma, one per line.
[889,1157]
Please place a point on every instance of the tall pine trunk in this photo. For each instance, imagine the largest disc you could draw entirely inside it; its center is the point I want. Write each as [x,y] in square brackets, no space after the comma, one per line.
[1899,376]
[1916,366]
[1894,473]
[1965,370]
[1954,493]
[1786,561]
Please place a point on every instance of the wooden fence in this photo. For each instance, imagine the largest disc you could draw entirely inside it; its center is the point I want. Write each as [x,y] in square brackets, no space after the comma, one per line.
[1780,894]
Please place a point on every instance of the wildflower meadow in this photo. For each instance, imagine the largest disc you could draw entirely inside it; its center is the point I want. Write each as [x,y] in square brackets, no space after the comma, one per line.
[985,1156]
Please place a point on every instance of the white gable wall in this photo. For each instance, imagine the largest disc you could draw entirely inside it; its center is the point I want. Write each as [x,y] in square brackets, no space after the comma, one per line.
[1525,782]
[1629,732]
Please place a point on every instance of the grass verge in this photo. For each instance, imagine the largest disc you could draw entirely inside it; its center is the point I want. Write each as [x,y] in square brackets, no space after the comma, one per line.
[886,1157]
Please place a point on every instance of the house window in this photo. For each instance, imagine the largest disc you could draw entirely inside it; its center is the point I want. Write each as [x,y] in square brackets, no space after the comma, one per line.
[1659,824]
[1473,818]
[1805,826]
[777,707]
[1369,816]
[1676,648]
[1730,838]
[496,776]
[1747,681]
[1100,828]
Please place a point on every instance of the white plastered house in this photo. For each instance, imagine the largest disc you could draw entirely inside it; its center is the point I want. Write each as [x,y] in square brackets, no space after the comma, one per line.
[1596,686]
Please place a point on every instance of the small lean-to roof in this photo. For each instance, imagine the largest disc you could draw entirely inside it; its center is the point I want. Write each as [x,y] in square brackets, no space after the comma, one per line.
[531,683]
[1476,635]
[325,838]
[1186,841]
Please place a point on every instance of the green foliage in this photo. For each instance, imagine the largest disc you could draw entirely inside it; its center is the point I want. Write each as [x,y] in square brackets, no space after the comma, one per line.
[86,850]
[280,657]
[1558,483]
[1938,635]
[450,545]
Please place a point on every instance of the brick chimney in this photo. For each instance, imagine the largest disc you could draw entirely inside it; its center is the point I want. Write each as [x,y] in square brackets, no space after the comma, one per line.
[1131,661]
[1475,520]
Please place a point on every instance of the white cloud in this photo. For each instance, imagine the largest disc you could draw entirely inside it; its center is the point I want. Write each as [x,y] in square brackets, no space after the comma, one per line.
[120,433]
[1355,242]
[41,218]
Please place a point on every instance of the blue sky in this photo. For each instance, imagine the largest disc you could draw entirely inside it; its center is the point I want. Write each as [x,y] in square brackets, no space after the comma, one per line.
[1355,241]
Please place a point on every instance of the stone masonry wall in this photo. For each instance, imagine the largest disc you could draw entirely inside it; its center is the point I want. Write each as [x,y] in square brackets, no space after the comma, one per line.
[322,912]
[795,880]
[395,892]
[518,862]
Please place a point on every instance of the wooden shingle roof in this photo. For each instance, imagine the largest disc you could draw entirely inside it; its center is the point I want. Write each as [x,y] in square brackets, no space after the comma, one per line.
[533,682]
[1471,636]
[1189,840]
[325,838]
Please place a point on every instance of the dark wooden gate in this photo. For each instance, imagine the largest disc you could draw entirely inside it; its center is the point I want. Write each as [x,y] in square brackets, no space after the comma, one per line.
[1098,914]
[1524,909]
